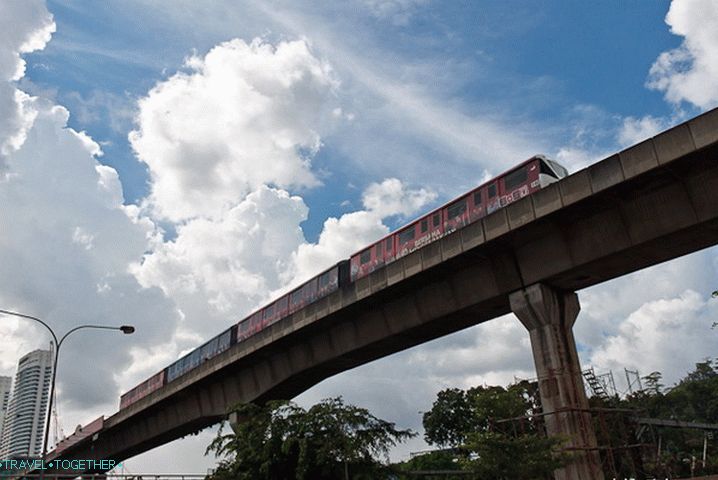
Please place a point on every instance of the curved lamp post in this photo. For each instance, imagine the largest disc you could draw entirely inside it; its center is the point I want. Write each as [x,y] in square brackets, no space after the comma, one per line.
[126,329]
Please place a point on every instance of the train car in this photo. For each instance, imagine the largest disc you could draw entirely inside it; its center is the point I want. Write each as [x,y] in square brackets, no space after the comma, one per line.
[522,180]
[155,382]
[79,434]
[249,326]
[193,359]
[309,292]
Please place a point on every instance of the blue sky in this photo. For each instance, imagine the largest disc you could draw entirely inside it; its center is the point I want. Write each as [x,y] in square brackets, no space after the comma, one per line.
[181,163]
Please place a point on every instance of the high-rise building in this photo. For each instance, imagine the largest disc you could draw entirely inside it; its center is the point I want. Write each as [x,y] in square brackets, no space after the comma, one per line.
[25,417]
[5,383]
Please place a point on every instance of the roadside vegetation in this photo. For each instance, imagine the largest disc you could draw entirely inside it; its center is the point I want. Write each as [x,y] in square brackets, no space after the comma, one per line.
[483,432]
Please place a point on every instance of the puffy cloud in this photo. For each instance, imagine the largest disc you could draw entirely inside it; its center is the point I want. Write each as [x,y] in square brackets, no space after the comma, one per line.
[391,198]
[690,72]
[648,339]
[242,116]
[635,130]
[66,259]
[25,26]
[218,269]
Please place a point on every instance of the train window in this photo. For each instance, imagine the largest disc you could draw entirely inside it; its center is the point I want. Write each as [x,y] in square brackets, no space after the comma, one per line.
[324,279]
[457,209]
[424,225]
[379,253]
[224,341]
[269,311]
[407,235]
[546,170]
[555,170]
[559,169]
[282,302]
[477,197]
[436,220]
[515,179]
[492,190]
[389,245]
[365,256]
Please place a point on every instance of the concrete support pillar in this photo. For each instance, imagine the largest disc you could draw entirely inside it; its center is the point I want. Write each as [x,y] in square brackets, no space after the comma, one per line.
[234,420]
[549,316]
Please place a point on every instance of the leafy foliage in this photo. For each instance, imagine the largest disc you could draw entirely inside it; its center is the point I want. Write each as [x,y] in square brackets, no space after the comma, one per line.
[693,399]
[450,418]
[457,413]
[281,440]
[465,421]
[513,457]
[439,460]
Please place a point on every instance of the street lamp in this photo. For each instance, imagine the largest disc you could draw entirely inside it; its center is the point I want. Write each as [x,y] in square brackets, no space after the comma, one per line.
[126,329]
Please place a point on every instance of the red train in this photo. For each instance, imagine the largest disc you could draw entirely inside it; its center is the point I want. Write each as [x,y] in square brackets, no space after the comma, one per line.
[79,434]
[522,180]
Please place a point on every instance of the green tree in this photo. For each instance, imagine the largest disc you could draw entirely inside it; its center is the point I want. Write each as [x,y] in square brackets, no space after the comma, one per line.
[513,457]
[450,418]
[470,423]
[653,383]
[693,399]
[438,460]
[456,413]
[281,440]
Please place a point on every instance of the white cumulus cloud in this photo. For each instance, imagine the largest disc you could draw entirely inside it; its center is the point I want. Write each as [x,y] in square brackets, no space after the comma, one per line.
[635,130]
[218,269]
[690,72]
[66,258]
[242,116]
[25,26]
[390,197]
[668,335]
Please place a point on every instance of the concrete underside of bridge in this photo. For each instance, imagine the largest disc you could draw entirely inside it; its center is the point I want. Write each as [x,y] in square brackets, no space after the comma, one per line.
[650,203]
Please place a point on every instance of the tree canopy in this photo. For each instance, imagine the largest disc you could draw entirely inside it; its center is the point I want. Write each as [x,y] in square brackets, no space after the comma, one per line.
[466,423]
[693,399]
[281,440]
[457,413]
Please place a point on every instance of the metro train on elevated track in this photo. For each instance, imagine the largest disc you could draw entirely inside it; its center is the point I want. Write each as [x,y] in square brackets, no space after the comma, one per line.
[522,180]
